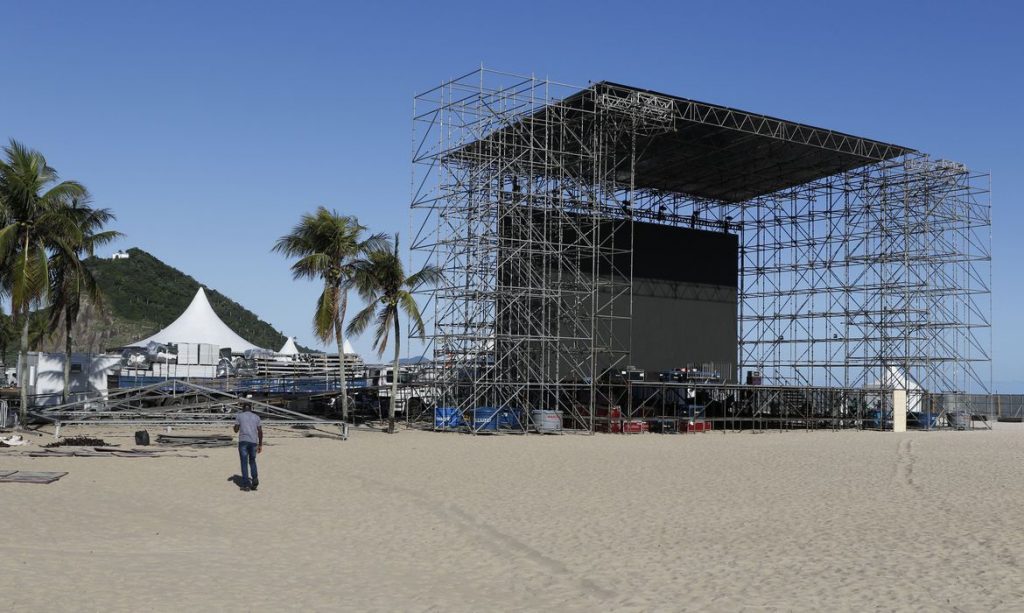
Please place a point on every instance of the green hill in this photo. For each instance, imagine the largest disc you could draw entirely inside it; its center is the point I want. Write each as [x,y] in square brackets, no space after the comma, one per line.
[143,295]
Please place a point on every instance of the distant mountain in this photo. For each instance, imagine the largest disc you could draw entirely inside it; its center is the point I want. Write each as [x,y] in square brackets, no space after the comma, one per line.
[413,361]
[142,295]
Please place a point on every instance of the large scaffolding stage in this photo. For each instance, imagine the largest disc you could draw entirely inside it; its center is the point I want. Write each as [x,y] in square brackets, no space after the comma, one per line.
[859,264]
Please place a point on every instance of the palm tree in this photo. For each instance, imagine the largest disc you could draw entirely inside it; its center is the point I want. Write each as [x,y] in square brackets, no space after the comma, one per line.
[380,280]
[71,280]
[33,223]
[328,245]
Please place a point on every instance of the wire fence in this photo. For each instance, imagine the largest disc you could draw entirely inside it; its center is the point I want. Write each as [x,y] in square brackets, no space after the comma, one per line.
[1009,407]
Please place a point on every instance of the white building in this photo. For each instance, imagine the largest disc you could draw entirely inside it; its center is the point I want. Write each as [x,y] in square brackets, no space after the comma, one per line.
[88,376]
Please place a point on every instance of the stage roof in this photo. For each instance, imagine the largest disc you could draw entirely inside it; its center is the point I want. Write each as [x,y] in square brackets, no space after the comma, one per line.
[696,148]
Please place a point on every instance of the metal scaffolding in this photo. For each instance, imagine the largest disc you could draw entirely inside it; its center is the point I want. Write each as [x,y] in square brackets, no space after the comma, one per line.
[860,262]
[172,403]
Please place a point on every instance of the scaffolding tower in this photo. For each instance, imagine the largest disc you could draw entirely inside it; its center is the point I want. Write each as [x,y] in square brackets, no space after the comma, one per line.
[859,261]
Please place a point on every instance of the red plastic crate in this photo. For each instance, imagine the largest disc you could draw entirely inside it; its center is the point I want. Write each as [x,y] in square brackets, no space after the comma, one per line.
[635,426]
[698,426]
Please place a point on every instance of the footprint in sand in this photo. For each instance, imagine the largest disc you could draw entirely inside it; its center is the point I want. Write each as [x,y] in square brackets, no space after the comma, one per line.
[904,467]
[493,538]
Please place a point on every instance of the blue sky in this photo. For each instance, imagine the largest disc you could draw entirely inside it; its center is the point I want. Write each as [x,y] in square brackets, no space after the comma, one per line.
[210,126]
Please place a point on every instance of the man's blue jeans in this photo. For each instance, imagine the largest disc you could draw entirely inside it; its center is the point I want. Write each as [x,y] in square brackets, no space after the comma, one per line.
[247,453]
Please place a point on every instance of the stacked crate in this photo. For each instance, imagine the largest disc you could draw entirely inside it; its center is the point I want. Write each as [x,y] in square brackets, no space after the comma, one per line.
[208,354]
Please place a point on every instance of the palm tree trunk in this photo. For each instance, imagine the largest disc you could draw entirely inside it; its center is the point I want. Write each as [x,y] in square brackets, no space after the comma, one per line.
[67,357]
[394,381]
[339,334]
[23,354]
[23,367]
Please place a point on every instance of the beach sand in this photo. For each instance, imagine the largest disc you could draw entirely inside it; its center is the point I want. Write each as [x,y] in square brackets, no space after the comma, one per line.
[424,521]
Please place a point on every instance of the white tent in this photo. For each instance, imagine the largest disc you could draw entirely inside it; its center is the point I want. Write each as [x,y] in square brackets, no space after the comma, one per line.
[199,324]
[289,347]
[897,378]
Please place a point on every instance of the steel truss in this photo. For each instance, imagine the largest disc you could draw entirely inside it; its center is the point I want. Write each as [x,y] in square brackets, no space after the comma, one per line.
[844,280]
[172,403]
[851,279]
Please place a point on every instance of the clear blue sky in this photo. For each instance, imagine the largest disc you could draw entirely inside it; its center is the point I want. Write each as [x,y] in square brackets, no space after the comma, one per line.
[210,126]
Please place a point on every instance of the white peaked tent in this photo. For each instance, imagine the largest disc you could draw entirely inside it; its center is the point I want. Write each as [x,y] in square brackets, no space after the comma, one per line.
[199,324]
[289,347]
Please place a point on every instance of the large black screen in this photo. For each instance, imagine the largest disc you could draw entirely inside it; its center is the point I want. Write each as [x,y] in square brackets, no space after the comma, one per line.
[668,253]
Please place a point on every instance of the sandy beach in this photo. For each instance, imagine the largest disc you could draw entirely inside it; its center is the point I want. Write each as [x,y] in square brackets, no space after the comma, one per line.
[426,521]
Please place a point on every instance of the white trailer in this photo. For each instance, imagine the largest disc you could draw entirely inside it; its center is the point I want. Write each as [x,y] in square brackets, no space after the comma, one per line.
[88,376]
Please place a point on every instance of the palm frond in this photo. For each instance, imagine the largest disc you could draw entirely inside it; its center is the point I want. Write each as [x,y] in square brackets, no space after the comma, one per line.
[8,239]
[376,242]
[64,193]
[361,321]
[100,239]
[326,315]
[312,266]
[407,302]
[385,317]
[429,275]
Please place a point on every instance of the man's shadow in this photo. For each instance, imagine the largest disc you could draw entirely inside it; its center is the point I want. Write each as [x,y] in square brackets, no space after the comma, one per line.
[237,480]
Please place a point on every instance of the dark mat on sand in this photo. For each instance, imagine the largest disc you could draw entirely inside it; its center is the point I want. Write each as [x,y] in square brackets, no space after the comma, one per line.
[185,440]
[28,476]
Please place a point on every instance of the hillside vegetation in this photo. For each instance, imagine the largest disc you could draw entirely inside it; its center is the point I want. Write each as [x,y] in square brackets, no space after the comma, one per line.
[143,295]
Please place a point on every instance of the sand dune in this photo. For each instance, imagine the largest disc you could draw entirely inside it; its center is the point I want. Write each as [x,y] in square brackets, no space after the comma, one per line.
[439,522]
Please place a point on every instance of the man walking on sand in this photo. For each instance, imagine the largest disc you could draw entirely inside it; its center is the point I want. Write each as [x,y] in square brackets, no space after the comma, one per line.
[250,442]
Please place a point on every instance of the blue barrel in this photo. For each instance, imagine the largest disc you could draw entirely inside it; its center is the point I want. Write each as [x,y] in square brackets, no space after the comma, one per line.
[447,417]
[485,419]
[924,421]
